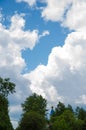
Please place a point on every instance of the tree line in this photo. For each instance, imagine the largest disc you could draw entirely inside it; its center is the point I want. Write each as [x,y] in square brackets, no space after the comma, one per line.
[34,113]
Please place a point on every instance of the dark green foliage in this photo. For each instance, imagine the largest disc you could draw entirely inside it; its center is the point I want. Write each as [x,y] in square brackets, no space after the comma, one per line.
[58,110]
[82,114]
[35,103]
[32,121]
[5,123]
[33,117]
[6,87]
[69,107]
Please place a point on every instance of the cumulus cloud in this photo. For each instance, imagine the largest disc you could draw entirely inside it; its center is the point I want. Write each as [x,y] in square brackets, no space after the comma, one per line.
[65,70]
[63,78]
[55,9]
[25,39]
[71,13]
[12,41]
[75,17]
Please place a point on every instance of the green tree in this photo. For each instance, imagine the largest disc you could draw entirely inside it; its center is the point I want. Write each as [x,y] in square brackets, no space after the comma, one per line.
[5,123]
[35,103]
[69,107]
[34,111]
[32,121]
[81,115]
[59,109]
[65,121]
[6,87]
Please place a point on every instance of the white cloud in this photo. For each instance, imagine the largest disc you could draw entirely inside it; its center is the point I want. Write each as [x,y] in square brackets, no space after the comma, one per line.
[71,13]
[12,41]
[29,2]
[65,64]
[55,9]
[75,18]
[63,78]
[45,33]
[44,87]
[25,39]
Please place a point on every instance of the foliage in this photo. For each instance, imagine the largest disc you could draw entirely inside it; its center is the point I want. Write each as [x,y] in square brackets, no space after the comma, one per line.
[35,103]
[34,110]
[60,108]
[6,87]
[32,121]
[5,123]
[69,107]
[68,119]
[64,121]
[81,114]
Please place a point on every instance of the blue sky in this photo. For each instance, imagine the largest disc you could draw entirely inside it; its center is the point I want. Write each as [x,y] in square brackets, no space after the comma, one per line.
[43,50]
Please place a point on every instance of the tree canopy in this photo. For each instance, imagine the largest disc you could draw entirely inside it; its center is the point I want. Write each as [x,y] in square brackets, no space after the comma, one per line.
[32,121]
[34,111]
[35,103]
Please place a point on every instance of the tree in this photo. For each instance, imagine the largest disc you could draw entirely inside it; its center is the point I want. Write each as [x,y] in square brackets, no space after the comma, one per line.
[59,109]
[6,87]
[35,103]
[32,121]
[5,123]
[67,121]
[81,115]
[69,107]
[34,111]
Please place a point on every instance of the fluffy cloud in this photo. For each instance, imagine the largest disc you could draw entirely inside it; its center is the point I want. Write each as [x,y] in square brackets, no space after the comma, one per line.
[12,41]
[55,9]
[64,76]
[65,70]
[64,12]
[75,17]
[71,13]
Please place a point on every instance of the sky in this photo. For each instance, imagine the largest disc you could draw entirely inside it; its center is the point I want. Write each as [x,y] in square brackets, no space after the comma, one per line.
[43,50]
